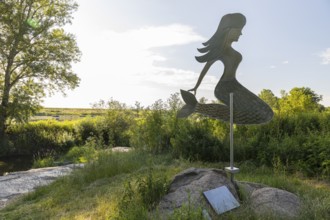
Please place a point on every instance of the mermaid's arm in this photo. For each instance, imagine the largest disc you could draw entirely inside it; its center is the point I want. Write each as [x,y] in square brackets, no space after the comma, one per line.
[201,76]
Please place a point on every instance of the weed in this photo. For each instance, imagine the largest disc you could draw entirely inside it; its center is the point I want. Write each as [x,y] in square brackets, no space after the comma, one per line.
[152,188]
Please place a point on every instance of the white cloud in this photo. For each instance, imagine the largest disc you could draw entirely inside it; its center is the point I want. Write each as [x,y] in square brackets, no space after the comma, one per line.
[285,62]
[325,55]
[272,67]
[122,64]
[178,78]
[131,52]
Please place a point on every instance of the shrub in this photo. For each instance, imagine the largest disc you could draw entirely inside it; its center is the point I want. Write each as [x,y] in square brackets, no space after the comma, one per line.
[151,189]
[110,130]
[43,162]
[42,137]
[143,196]
[195,141]
[149,131]
[86,128]
[81,154]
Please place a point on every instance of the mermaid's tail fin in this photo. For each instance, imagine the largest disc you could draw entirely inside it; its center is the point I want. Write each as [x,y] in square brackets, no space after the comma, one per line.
[190,106]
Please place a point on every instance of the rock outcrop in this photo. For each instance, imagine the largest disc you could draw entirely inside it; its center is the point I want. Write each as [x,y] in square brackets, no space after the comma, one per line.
[188,186]
[17,183]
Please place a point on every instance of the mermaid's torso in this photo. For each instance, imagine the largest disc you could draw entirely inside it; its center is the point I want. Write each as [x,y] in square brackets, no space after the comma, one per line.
[248,108]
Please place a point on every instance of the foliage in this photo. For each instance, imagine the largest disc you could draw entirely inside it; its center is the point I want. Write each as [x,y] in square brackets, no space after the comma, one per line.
[195,140]
[150,129]
[86,128]
[153,128]
[143,196]
[269,97]
[77,154]
[41,138]
[44,162]
[36,55]
[114,127]
[83,154]
[299,100]
[152,189]
[299,141]
[109,105]
[110,130]
[130,207]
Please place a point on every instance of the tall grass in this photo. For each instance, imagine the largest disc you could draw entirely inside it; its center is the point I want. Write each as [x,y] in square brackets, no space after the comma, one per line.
[129,185]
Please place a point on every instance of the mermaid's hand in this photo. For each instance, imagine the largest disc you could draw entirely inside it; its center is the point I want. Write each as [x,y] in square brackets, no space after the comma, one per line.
[193,90]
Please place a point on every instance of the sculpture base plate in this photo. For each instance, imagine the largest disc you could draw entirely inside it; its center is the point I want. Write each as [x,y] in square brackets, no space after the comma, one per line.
[232,170]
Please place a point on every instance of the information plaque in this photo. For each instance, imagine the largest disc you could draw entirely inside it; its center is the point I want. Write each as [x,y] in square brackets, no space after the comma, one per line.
[221,199]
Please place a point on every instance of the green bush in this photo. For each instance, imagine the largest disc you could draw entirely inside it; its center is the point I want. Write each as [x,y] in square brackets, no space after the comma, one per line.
[86,128]
[42,138]
[43,162]
[195,141]
[110,130]
[149,131]
[81,154]
[300,141]
[114,126]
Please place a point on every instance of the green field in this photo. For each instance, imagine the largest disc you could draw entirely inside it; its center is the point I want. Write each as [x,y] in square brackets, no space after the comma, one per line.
[62,114]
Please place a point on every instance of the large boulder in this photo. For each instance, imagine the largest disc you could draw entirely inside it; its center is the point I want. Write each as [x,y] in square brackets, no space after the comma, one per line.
[272,201]
[188,187]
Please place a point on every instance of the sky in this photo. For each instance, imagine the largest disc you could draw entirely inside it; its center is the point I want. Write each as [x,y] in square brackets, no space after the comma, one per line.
[144,50]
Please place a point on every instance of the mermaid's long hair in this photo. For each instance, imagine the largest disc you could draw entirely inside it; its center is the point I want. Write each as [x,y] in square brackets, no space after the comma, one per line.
[214,46]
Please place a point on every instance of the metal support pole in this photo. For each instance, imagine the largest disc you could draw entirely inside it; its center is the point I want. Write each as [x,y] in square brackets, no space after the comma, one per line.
[231,169]
[231,135]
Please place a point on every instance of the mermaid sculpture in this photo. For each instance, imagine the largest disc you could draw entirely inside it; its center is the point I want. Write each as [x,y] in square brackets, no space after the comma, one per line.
[247,107]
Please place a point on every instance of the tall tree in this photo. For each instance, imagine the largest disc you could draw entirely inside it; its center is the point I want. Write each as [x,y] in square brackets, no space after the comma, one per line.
[268,96]
[300,99]
[36,55]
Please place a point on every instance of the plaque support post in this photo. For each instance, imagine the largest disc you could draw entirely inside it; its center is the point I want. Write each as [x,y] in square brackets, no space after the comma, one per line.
[231,169]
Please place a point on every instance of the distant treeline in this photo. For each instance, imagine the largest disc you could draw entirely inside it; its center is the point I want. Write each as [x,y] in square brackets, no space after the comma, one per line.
[296,140]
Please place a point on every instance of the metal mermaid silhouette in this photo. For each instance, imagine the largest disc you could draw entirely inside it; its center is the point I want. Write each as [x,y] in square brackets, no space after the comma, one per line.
[247,107]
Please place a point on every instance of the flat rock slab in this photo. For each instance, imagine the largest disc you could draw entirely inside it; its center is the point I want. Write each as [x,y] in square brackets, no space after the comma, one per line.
[17,183]
[188,186]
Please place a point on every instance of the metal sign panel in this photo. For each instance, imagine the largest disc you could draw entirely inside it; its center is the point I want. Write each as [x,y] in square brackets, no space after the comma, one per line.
[221,199]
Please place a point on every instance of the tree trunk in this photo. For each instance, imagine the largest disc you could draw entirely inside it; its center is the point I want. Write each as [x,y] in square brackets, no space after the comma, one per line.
[4,104]
[3,138]
[4,110]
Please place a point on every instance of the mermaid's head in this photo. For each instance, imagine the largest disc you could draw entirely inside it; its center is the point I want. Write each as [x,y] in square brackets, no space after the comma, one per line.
[215,45]
[236,20]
